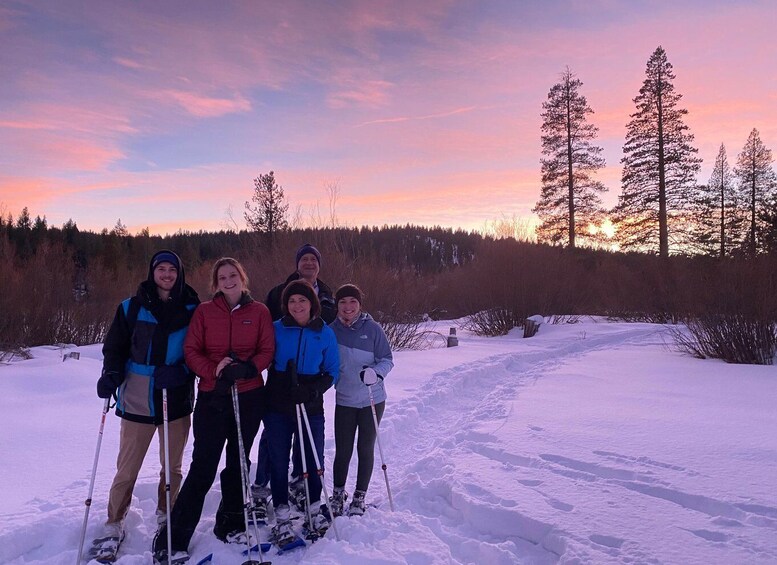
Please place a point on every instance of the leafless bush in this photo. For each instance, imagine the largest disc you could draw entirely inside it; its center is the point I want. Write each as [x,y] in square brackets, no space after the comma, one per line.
[557,319]
[494,321]
[406,332]
[733,338]
[672,318]
[7,355]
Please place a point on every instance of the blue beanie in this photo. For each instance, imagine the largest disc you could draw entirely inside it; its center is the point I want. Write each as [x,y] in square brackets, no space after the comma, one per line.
[305,249]
[165,257]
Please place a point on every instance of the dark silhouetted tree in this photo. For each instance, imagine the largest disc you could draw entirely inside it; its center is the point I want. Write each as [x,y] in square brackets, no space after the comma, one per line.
[569,199]
[716,222]
[659,165]
[269,213]
[757,185]
[24,222]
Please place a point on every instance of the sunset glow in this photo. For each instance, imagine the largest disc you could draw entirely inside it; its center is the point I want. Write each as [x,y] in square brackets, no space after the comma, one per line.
[161,114]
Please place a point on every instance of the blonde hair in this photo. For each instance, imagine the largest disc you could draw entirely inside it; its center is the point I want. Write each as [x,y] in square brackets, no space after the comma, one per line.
[214,274]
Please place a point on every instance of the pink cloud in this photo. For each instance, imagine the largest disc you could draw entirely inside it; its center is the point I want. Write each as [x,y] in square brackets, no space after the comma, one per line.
[129,63]
[208,107]
[372,93]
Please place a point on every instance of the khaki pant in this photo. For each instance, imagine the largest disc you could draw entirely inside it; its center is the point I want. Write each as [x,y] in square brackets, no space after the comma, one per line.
[134,440]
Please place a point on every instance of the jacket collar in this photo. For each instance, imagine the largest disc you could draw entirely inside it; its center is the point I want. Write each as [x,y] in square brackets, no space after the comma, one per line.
[316,324]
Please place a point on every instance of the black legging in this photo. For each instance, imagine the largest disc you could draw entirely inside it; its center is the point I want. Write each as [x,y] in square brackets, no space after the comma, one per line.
[347,421]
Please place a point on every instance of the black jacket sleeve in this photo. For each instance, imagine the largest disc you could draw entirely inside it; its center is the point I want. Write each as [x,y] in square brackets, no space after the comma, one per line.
[116,348]
[273,302]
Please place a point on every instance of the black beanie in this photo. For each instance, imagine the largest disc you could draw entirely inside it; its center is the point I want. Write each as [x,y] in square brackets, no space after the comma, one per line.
[302,287]
[348,290]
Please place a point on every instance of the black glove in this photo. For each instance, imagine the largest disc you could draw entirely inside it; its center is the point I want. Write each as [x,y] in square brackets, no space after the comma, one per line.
[108,382]
[302,394]
[369,377]
[166,376]
[239,370]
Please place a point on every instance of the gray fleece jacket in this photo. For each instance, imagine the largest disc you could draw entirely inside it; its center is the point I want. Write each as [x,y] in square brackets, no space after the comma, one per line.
[362,343]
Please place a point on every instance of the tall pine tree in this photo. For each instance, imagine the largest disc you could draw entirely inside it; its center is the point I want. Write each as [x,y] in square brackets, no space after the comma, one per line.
[269,216]
[659,165]
[758,187]
[569,200]
[716,222]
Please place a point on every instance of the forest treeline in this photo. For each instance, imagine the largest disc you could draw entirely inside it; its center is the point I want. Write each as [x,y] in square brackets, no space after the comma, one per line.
[62,284]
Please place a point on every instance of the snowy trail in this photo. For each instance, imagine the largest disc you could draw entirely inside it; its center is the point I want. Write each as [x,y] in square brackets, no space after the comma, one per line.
[444,420]
[589,443]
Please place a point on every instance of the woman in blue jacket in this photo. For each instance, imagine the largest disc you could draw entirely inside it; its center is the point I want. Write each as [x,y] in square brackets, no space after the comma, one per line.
[362,343]
[306,347]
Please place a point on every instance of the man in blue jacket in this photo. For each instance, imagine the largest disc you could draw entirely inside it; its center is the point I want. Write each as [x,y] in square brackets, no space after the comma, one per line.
[143,354]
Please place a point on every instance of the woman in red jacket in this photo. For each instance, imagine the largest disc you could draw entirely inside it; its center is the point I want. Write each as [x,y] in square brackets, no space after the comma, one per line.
[230,342]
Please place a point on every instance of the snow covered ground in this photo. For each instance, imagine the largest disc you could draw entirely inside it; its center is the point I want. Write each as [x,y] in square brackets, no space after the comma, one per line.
[588,443]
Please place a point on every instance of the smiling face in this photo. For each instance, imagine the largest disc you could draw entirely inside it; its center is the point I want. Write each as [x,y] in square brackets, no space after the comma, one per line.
[165,275]
[229,282]
[299,309]
[308,267]
[348,309]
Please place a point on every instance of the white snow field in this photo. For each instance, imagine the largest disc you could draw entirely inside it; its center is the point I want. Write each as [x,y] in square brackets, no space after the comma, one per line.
[593,442]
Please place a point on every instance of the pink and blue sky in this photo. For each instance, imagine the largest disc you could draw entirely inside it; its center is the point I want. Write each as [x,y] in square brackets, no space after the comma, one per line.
[162,113]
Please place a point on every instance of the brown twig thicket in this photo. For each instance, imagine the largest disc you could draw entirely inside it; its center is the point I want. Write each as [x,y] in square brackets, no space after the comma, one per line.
[65,286]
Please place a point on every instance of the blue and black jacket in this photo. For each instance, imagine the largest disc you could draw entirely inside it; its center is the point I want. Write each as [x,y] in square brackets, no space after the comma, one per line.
[148,334]
[313,352]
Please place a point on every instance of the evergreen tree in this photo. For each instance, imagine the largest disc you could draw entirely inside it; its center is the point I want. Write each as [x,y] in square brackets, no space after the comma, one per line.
[24,222]
[757,185]
[659,164]
[716,222]
[120,229]
[569,196]
[269,216]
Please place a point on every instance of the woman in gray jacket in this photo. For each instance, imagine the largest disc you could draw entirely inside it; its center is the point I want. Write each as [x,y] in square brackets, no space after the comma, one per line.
[362,343]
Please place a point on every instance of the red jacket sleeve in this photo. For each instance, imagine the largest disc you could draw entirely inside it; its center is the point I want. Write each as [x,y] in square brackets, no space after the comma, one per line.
[265,346]
[194,349]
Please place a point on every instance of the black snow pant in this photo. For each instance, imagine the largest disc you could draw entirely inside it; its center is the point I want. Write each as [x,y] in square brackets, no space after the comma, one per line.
[214,425]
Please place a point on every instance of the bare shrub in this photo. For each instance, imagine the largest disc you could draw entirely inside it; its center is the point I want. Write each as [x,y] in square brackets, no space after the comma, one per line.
[406,332]
[557,319]
[6,356]
[733,338]
[494,321]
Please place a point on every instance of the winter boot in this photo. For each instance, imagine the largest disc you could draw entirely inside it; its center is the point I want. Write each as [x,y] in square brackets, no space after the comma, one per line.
[228,524]
[297,493]
[159,550]
[358,504]
[337,501]
[260,496]
[318,525]
[105,548]
[282,534]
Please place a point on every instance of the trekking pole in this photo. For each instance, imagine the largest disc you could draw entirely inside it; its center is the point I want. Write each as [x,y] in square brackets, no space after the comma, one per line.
[292,367]
[319,469]
[88,501]
[246,487]
[304,466]
[380,447]
[166,436]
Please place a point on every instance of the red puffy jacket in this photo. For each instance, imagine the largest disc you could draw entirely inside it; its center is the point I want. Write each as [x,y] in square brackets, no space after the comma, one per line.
[215,331]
